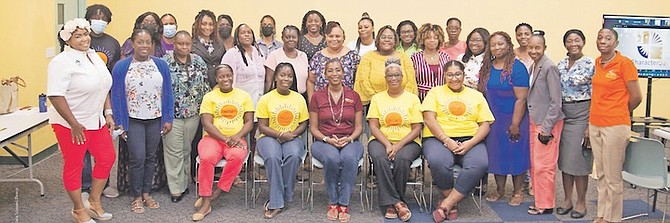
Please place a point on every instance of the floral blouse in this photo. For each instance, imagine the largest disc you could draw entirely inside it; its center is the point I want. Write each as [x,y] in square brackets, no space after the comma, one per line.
[472,68]
[349,61]
[576,81]
[189,84]
[144,85]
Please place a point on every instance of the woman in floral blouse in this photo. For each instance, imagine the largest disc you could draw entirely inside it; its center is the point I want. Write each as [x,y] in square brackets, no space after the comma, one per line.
[473,57]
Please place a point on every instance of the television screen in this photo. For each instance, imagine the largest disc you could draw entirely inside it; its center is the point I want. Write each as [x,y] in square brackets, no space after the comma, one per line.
[645,40]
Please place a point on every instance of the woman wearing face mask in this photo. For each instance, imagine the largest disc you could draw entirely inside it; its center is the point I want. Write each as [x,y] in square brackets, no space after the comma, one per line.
[169,30]
[546,122]
[370,74]
[366,36]
[206,43]
[429,63]
[268,43]
[523,32]
[311,38]
[151,22]
[288,53]
[473,57]
[225,24]
[406,30]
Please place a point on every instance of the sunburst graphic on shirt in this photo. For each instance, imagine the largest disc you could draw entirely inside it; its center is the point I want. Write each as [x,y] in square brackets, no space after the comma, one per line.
[457,109]
[283,118]
[650,45]
[103,53]
[394,118]
[230,111]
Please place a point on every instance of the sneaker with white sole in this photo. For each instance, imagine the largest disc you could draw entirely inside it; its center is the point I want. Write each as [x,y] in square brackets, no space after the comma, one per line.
[110,192]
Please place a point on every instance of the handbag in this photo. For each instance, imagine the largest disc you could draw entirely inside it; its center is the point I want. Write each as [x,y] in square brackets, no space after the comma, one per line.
[9,94]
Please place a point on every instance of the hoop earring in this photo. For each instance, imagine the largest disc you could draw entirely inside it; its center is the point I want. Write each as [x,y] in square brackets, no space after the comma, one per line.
[493,57]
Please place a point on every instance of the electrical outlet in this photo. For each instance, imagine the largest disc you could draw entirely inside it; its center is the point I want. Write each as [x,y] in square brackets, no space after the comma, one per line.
[51,52]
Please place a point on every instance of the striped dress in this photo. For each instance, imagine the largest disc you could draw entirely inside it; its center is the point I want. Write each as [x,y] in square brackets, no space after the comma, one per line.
[425,77]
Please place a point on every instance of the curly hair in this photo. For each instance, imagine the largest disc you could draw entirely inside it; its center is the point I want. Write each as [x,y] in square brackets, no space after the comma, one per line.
[303,27]
[485,71]
[198,19]
[424,32]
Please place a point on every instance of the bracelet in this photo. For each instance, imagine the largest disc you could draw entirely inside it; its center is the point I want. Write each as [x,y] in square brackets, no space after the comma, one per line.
[325,138]
[280,134]
[108,111]
[440,136]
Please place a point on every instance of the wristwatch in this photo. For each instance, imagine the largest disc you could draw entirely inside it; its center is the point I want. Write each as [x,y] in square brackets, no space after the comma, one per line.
[325,138]
[108,112]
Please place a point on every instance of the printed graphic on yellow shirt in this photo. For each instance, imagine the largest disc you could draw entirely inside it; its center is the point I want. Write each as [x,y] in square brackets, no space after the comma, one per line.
[283,118]
[229,110]
[394,118]
[457,109]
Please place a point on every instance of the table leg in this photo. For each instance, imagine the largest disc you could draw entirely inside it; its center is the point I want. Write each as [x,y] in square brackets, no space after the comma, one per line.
[15,156]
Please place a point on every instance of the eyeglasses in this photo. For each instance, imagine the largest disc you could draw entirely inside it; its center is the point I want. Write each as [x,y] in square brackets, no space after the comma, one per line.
[393,76]
[454,75]
[476,40]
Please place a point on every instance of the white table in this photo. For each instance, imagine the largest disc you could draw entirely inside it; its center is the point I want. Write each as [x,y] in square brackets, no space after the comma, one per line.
[664,133]
[17,125]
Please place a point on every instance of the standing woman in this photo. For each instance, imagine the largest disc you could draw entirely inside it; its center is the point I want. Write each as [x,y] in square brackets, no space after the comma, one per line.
[546,122]
[227,115]
[225,31]
[429,63]
[523,31]
[477,42]
[78,84]
[370,77]
[406,30]
[576,72]
[336,121]
[189,85]
[395,123]
[615,95]
[143,103]
[206,43]
[282,115]
[290,54]
[247,63]
[335,49]
[268,43]
[311,38]
[366,36]
[151,22]
[504,82]
[169,23]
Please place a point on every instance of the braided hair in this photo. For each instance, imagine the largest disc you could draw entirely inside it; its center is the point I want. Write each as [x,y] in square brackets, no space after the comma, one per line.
[236,41]
[485,71]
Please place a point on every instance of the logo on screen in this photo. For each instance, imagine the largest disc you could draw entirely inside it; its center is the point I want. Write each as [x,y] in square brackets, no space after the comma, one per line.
[649,45]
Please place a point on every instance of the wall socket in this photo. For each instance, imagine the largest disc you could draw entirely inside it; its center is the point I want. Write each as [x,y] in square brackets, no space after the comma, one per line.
[51,52]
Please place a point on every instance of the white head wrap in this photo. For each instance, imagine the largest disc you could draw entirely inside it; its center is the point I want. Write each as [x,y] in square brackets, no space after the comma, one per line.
[71,26]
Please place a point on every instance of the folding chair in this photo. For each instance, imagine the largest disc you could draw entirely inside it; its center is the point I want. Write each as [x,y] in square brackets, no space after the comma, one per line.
[457,170]
[645,166]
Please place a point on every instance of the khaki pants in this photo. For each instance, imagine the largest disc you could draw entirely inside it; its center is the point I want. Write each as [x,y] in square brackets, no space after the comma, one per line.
[609,151]
[177,153]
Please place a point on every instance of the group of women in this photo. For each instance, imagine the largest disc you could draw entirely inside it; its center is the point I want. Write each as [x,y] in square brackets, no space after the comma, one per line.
[480,104]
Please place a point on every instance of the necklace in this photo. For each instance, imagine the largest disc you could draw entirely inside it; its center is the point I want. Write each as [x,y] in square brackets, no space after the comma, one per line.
[337,121]
[432,57]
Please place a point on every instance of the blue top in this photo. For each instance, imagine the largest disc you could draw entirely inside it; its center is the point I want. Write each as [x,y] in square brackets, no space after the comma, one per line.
[118,94]
[576,81]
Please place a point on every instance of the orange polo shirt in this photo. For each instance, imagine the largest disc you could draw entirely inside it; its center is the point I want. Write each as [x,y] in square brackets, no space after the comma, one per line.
[609,95]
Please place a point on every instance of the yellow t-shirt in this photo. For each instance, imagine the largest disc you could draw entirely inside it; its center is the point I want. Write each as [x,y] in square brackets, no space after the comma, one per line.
[396,115]
[227,108]
[458,113]
[285,112]
[370,75]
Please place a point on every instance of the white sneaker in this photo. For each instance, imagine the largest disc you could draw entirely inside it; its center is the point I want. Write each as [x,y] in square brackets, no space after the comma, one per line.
[110,192]
[84,199]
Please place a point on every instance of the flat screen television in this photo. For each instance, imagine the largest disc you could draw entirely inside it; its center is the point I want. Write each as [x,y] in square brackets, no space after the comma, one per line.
[645,40]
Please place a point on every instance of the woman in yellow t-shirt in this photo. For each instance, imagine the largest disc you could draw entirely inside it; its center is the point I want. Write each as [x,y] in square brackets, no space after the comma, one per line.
[395,123]
[282,115]
[458,119]
[227,115]
[370,73]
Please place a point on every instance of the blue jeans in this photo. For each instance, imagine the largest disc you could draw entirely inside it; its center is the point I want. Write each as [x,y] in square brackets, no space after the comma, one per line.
[281,166]
[340,166]
[441,162]
[143,139]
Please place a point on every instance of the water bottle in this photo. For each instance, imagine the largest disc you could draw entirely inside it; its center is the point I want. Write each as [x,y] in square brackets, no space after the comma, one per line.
[43,103]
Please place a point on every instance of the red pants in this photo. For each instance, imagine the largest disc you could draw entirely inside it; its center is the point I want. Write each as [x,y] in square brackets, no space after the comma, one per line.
[543,161]
[99,145]
[211,151]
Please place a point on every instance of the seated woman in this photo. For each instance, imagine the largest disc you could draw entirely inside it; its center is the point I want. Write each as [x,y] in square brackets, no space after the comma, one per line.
[227,115]
[336,118]
[282,115]
[395,123]
[457,121]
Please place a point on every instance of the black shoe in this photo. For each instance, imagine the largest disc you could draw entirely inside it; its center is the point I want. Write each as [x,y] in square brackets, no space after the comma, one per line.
[176,199]
[563,211]
[576,214]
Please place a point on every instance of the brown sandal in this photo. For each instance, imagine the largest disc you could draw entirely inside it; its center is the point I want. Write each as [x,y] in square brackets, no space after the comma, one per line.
[344,215]
[332,213]
[270,213]
[403,211]
[137,207]
[391,213]
[493,196]
[151,203]
[516,200]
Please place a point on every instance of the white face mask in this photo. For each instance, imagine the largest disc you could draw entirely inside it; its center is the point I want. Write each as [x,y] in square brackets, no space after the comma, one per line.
[98,26]
[169,30]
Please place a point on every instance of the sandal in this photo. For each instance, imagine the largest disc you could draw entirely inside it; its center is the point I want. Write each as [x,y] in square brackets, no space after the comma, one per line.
[516,200]
[453,214]
[391,213]
[137,207]
[403,211]
[493,196]
[77,213]
[238,183]
[332,213]
[95,212]
[538,211]
[344,214]
[270,213]
[440,214]
[151,203]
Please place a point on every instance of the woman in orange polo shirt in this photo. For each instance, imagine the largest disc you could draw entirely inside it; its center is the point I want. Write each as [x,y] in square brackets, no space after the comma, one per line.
[615,93]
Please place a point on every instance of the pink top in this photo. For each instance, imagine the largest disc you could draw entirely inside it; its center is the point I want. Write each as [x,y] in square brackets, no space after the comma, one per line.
[455,50]
[299,63]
